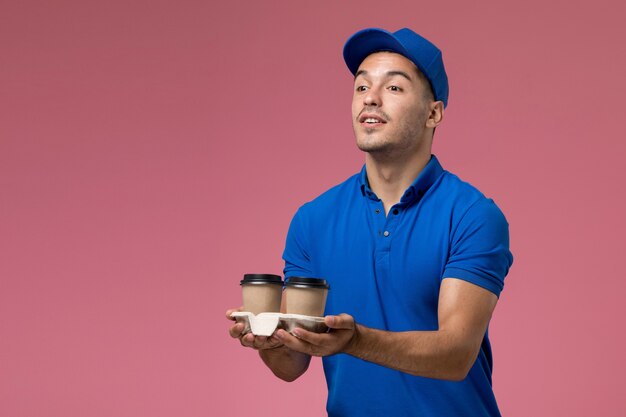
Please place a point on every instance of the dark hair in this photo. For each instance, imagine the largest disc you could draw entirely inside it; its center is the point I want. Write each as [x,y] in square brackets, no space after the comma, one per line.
[427,94]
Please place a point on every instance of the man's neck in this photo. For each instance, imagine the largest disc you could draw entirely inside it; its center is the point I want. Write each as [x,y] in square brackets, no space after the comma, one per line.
[389,179]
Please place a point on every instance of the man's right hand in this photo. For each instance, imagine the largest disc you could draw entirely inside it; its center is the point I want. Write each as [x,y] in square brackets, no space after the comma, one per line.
[249,339]
[285,363]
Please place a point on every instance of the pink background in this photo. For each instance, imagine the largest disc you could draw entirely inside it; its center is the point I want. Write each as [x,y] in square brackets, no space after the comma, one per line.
[152,152]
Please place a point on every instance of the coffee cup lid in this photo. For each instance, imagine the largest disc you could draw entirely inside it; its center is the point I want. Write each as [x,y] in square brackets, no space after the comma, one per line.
[261,279]
[306,282]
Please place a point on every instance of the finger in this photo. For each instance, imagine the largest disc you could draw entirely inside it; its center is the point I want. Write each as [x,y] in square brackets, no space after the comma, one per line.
[247,340]
[303,334]
[236,330]
[342,321]
[310,337]
[293,342]
[231,311]
[259,341]
[273,342]
[266,342]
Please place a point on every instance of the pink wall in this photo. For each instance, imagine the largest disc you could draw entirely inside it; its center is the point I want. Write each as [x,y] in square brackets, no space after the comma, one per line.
[152,152]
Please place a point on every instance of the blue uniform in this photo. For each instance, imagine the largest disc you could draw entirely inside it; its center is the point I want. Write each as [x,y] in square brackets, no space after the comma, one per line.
[386,271]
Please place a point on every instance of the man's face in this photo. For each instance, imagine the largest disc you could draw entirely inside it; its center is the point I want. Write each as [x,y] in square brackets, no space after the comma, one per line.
[389,105]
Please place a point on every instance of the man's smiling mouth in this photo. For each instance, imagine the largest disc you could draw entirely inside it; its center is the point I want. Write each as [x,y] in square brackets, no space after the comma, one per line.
[371,119]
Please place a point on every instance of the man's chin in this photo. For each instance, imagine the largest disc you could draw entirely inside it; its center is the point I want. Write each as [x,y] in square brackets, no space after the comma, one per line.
[373,147]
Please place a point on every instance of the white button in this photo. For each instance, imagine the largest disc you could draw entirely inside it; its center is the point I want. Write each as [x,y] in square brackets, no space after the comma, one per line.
[386,233]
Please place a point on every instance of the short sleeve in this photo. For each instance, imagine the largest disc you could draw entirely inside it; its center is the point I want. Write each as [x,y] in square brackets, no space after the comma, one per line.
[296,254]
[480,247]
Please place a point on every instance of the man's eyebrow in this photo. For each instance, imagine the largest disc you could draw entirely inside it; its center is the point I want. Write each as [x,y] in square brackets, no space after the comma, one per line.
[360,72]
[400,73]
[388,74]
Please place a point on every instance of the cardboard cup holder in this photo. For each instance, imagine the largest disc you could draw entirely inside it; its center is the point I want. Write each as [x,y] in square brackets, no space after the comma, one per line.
[265,324]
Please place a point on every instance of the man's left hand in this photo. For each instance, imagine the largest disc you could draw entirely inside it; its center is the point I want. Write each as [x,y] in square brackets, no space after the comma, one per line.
[340,338]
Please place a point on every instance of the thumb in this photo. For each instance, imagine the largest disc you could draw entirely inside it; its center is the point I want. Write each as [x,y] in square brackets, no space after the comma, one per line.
[342,321]
[231,311]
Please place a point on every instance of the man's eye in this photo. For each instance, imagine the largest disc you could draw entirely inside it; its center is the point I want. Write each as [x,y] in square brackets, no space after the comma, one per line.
[395,88]
[361,88]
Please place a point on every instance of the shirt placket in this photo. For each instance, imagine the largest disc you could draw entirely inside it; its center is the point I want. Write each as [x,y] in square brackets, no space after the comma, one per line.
[384,230]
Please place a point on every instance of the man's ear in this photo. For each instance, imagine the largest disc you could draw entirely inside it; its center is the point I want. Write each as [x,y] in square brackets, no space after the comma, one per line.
[435,116]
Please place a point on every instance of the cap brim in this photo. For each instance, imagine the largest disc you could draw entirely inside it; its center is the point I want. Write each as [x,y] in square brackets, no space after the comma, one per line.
[368,41]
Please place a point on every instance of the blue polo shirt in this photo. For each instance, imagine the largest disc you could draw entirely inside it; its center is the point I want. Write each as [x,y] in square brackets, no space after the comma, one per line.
[386,272]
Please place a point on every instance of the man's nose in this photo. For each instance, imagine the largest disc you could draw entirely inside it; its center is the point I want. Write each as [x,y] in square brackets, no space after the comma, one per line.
[372,98]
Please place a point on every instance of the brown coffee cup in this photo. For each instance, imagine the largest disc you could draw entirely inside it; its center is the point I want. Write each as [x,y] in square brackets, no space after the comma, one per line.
[261,293]
[306,296]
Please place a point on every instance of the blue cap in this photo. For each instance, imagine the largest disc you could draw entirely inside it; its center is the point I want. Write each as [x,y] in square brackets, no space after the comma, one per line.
[426,56]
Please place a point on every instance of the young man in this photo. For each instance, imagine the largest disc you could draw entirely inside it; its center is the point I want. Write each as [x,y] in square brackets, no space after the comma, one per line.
[415,257]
